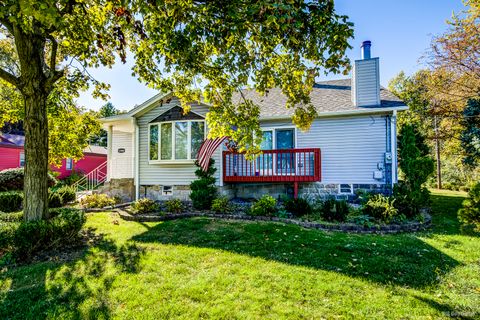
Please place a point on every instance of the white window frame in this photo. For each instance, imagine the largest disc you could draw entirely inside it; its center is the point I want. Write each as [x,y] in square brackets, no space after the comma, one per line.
[67,160]
[189,141]
[340,188]
[21,159]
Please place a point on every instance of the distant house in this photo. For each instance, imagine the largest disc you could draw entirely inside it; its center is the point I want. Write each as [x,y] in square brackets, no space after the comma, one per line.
[12,156]
[351,145]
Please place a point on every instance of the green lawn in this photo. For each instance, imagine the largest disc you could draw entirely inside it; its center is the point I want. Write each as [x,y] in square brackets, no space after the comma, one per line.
[201,268]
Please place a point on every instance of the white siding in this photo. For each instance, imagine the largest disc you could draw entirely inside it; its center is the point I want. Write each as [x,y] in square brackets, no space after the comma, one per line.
[121,163]
[166,174]
[350,147]
[366,83]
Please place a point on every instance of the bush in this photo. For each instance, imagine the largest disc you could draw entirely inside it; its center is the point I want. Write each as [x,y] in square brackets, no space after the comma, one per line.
[409,201]
[333,210]
[26,238]
[470,213]
[298,207]
[381,208]
[416,166]
[72,178]
[11,201]
[12,179]
[144,205]
[11,216]
[97,200]
[221,205]
[55,199]
[203,189]
[174,206]
[265,206]
[67,193]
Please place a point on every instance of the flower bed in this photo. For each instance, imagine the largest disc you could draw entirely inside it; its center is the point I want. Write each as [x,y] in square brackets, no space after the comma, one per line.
[412,226]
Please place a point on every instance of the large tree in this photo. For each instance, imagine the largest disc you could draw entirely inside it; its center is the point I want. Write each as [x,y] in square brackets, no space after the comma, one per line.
[192,48]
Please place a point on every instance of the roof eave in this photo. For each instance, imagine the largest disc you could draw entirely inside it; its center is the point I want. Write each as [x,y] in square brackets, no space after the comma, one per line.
[342,113]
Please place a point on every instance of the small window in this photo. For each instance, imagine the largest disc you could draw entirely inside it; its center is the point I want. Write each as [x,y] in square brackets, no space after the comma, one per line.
[22,159]
[167,190]
[69,163]
[346,188]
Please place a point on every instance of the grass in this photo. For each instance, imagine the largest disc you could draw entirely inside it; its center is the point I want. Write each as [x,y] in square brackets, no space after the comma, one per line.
[202,268]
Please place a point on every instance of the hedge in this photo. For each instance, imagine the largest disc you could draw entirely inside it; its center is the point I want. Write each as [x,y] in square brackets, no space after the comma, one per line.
[12,179]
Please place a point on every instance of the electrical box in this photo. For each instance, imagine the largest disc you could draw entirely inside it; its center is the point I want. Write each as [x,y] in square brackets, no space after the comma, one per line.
[378,174]
[388,157]
[380,165]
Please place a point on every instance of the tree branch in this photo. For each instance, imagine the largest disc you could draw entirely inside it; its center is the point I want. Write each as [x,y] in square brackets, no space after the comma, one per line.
[53,54]
[10,78]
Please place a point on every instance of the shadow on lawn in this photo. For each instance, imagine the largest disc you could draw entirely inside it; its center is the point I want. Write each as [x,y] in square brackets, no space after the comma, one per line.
[76,288]
[401,259]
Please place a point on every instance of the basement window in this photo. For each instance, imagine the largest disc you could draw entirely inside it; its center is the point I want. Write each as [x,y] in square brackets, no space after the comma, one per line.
[345,189]
[167,190]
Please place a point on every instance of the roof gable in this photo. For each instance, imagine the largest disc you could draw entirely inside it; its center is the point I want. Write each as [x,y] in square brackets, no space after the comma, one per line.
[175,114]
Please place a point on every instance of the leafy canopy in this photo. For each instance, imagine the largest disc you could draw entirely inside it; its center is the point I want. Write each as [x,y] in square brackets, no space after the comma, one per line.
[199,50]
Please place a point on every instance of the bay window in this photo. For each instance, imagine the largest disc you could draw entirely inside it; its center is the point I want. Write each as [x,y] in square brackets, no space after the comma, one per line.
[175,140]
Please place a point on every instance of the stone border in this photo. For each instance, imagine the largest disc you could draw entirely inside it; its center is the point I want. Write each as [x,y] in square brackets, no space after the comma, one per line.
[344,227]
[107,208]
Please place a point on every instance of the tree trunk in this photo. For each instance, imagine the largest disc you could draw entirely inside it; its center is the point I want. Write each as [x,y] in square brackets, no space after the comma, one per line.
[35,90]
[36,158]
[437,154]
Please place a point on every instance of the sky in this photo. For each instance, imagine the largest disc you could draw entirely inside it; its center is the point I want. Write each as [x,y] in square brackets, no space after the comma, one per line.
[400,31]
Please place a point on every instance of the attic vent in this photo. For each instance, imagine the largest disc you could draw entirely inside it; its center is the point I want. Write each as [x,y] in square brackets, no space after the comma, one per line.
[366,79]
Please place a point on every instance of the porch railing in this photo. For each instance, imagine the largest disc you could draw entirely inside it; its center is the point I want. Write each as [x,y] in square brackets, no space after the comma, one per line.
[93,179]
[281,165]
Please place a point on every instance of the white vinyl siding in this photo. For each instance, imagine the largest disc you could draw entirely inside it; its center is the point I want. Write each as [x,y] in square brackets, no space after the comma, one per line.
[350,147]
[167,173]
[122,155]
[366,83]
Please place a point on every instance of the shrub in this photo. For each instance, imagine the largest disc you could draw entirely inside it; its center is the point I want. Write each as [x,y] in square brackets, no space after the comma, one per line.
[265,206]
[27,238]
[67,193]
[381,208]
[298,207]
[73,177]
[11,201]
[203,189]
[12,179]
[55,199]
[416,166]
[97,200]
[221,205]
[11,216]
[144,205]
[470,213]
[174,206]
[333,210]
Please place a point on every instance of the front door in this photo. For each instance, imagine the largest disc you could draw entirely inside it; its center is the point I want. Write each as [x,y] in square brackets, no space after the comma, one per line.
[285,139]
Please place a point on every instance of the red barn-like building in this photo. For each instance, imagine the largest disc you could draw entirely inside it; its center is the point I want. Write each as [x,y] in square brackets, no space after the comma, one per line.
[13,156]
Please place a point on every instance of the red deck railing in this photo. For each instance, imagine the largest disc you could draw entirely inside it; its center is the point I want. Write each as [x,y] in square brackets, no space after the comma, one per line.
[288,165]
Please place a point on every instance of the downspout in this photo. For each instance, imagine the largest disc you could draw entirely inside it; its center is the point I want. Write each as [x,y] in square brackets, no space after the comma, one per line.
[393,127]
[136,161]
[109,152]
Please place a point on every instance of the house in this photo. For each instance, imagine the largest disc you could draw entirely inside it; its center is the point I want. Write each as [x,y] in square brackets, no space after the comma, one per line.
[351,144]
[13,156]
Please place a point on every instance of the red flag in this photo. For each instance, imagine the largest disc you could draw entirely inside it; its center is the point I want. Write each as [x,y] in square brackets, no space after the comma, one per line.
[206,151]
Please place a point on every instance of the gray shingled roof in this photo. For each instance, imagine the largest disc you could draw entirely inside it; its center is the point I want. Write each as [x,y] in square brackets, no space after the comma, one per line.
[326,96]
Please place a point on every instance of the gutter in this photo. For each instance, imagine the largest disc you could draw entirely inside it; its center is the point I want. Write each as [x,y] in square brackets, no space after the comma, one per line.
[341,113]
